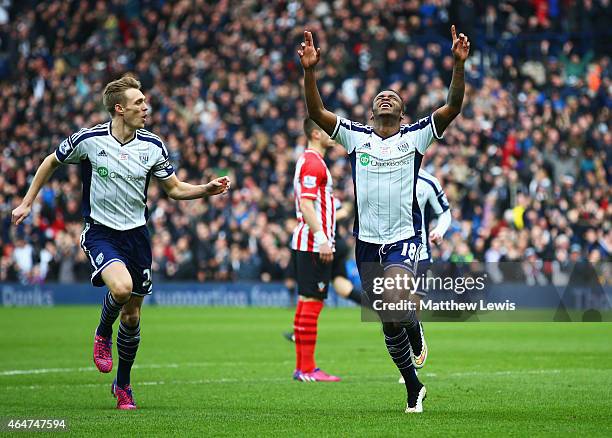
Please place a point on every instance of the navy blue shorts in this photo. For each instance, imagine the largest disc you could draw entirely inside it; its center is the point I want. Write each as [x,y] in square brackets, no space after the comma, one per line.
[403,253]
[103,246]
[373,259]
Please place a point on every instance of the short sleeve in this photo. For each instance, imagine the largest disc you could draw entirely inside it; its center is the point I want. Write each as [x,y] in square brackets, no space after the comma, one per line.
[349,134]
[312,177]
[71,150]
[438,202]
[423,133]
[162,168]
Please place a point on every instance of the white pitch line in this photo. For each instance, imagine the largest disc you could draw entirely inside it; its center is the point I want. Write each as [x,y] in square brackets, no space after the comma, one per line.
[145,366]
[503,373]
[154,383]
[390,379]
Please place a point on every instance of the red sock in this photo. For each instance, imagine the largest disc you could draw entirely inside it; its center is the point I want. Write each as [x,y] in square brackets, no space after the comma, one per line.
[305,329]
[298,361]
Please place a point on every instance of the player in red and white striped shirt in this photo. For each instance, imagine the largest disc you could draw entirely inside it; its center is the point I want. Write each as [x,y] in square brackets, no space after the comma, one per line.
[313,246]
[313,189]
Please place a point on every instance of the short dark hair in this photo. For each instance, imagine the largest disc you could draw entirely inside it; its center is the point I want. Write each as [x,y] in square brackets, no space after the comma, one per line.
[309,126]
[114,92]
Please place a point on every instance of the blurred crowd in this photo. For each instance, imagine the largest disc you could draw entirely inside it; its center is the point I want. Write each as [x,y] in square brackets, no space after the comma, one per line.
[526,167]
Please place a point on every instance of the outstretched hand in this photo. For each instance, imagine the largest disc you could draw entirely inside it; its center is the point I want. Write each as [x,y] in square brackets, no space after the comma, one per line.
[19,214]
[309,55]
[461,45]
[218,186]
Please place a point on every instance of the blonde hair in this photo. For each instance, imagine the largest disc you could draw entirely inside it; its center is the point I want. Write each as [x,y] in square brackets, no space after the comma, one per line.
[114,92]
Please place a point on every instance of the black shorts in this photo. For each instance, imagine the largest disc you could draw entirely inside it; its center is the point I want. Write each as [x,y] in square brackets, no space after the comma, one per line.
[312,275]
[290,274]
[340,255]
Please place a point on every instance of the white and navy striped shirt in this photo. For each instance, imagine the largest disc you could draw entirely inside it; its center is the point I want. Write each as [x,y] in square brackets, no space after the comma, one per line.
[115,176]
[432,202]
[385,174]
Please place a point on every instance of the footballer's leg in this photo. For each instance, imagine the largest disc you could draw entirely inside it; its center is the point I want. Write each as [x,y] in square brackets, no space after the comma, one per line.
[136,249]
[313,278]
[128,339]
[119,283]
[345,289]
[342,285]
[397,339]
[108,269]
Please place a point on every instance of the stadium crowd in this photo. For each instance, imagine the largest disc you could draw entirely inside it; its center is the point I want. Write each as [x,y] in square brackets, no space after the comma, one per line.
[526,167]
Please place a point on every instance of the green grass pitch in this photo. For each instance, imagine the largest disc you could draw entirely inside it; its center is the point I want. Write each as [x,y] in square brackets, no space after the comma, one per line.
[226,372]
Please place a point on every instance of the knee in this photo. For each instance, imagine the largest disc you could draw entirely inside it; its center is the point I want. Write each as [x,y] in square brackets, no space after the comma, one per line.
[121,289]
[130,317]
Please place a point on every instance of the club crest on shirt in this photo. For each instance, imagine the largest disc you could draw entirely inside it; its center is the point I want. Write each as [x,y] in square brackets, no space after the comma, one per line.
[321,286]
[144,158]
[100,259]
[404,147]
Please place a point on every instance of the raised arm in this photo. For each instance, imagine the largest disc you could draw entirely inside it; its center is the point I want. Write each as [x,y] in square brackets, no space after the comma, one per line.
[446,114]
[309,57]
[41,177]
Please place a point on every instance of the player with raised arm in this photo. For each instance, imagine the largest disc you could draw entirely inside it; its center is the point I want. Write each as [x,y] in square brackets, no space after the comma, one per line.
[313,249]
[385,160]
[117,161]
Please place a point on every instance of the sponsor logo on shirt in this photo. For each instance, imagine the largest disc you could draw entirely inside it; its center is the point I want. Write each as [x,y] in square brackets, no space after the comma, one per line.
[99,259]
[392,163]
[364,159]
[103,172]
[309,181]
[124,156]
[116,175]
[366,146]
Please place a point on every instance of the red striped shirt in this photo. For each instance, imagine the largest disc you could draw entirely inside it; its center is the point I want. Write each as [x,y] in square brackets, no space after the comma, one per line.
[313,181]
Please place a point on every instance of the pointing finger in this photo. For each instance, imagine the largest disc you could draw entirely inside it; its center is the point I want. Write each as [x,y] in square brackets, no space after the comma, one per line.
[308,38]
[453,32]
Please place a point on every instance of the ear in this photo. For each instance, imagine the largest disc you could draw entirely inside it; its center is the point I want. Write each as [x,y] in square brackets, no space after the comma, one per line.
[119,109]
[371,115]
